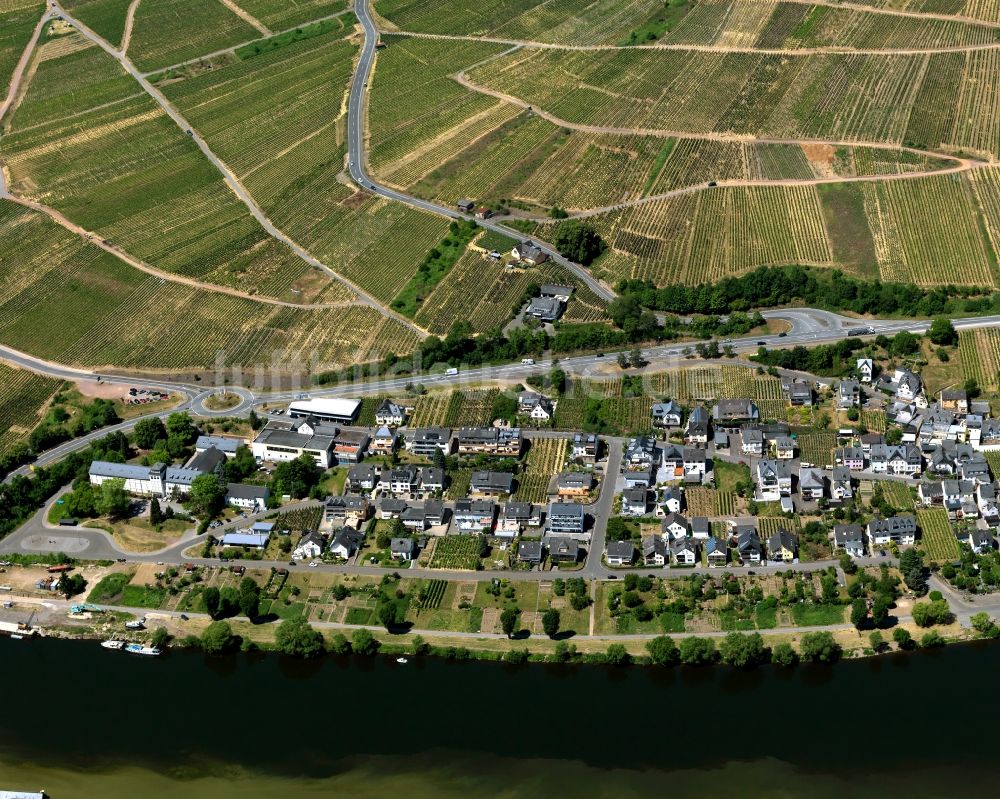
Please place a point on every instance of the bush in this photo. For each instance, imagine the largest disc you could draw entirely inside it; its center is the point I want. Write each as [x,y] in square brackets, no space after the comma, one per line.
[617,656]
[662,651]
[784,654]
[931,640]
[696,651]
[820,648]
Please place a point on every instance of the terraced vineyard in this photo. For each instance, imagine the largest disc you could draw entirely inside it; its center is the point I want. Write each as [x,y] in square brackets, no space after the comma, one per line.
[937,537]
[545,458]
[171,31]
[23,395]
[277,120]
[979,351]
[111,314]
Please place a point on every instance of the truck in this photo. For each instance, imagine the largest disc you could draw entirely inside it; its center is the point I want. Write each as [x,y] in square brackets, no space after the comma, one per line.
[62,567]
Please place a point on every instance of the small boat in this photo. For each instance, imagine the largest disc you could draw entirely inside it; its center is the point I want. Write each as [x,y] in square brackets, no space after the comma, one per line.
[17,637]
[402,660]
[139,649]
[137,624]
[113,644]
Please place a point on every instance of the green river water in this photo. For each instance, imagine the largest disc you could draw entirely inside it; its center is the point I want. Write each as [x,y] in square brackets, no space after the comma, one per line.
[83,723]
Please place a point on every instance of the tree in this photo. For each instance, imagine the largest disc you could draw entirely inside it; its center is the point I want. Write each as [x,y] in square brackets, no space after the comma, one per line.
[820,648]
[249,598]
[912,567]
[662,651]
[931,639]
[617,655]
[893,436]
[210,597]
[364,643]
[927,614]
[297,638]
[161,637]
[696,651]
[550,622]
[902,638]
[155,514]
[148,431]
[339,645]
[218,638]
[859,613]
[241,465]
[565,652]
[296,477]
[206,496]
[742,651]
[387,614]
[578,241]
[984,626]
[71,584]
[182,428]
[876,641]
[508,620]
[880,609]
[783,654]
[635,358]
[254,420]
[113,502]
[942,332]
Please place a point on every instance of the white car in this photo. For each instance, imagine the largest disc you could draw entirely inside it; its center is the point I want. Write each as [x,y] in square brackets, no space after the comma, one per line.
[313,565]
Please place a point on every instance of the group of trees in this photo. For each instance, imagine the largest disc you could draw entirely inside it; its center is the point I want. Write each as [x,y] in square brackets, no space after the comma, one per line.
[228,602]
[771,286]
[578,241]
[165,442]
[742,650]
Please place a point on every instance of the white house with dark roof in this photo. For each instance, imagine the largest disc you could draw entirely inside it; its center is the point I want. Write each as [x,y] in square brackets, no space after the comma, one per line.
[619,553]
[390,414]
[529,253]
[252,498]
[900,530]
[286,441]
[850,538]
[667,414]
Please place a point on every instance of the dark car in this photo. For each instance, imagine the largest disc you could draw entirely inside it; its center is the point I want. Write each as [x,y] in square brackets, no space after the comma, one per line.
[782,334]
[184,617]
[612,576]
[762,343]
[292,563]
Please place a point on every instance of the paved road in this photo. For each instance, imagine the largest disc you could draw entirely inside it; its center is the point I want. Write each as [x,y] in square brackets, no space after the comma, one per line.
[601,510]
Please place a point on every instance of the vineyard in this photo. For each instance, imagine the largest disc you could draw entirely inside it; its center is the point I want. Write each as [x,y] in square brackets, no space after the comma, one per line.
[171,31]
[105,17]
[274,119]
[112,314]
[299,520]
[430,594]
[169,207]
[567,22]
[545,458]
[17,22]
[23,395]
[281,15]
[873,421]
[769,525]
[709,502]
[937,535]
[897,494]
[993,459]
[457,552]
[816,447]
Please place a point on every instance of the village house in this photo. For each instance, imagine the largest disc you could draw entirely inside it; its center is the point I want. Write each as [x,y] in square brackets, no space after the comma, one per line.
[383,442]
[574,484]
[584,448]
[491,484]
[311,545]
[517,516]
[674,526]
[402,549]
[667,414]
[529,253]
[900,530]
[428,440]
[655,551]
[566,518]
[535,406]
[564,550]
[545,309]
[849,538]
[695,465]
[979,539]
[749,547]
[684,552]
[782,547]
[752,441]
[812,484]
[619,553]
[390,414]
[391,508]
[696,430]
[363,477]
[500,441]
[955,399]
[669,500]
[841,488]
[475,515]
[641,452]
[774,479]
[716,552]
[345,543]
[848,394]
[227,445]
[734,412]
[865,368]
[634,502]
[701,527]
[852,458]
[530,552]
[349,510]
[784,447]
[247,497]
[639,477]
[799,392]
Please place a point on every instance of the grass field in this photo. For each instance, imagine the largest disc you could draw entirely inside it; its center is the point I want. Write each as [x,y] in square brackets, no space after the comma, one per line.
[937,537]
[23,395]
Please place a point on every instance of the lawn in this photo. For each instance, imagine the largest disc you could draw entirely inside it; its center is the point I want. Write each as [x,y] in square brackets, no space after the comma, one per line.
[138,596]
[110,588]
[807,614]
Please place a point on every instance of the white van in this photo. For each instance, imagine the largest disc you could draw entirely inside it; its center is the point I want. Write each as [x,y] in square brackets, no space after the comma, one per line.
[452,371]
[527,362]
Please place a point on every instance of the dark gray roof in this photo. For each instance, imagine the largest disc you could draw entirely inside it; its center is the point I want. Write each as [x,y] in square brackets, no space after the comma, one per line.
[243,491]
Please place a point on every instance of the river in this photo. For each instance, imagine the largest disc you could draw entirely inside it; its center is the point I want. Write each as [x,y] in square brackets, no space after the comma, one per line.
[82,723]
